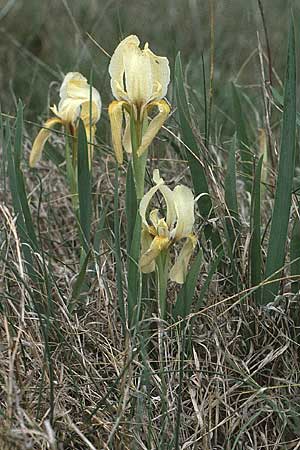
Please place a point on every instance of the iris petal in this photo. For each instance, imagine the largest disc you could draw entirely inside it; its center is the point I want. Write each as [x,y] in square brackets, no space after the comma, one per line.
[117,67]
[127,136]
[115,111]
[184,206]
[148,196]
[138,76]
[77,99]
[64,91]
[160,71]
[179,270]
[76,95]
[146,241]
[169,199]
[155,125]
[40,141]
[90,136]
[148,258]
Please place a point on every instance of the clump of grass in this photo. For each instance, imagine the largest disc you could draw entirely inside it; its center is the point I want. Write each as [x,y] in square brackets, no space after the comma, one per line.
[235,371]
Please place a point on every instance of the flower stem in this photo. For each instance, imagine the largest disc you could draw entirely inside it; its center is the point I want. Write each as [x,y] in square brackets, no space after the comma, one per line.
[162,269]
[139,162]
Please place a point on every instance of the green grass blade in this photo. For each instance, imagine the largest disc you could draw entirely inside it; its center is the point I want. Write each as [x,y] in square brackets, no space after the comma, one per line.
[101,229]
[20,222]
[18,157]
[232,223]
[205,101]
[134,279]
[255,244]
[295,254]
[197,170]
[4,157]
[71,176]
[84,187]
[18,150]
[182,336]
[117,248]
[182,307]
[12,178]
[243,140]
[24,221]
[232,220]
[283,194]
[192,153]
[248,424]
[79,283]
[54,156]
[230,181]
[279,99]
[213,269]
[131,205]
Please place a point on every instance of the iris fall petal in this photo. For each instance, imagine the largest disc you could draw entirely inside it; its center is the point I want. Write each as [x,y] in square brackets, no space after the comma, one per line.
[40,141]
[179,270]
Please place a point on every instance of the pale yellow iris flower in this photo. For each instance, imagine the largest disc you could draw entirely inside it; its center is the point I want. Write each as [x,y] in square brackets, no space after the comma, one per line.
[75,95]
[163,232]
[139,82]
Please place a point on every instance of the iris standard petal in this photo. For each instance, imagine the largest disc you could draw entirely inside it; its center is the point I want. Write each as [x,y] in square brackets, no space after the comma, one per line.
[138,76]
[68,77]
[148,196]
[179,270]
[155,125]
[154,218]
[76,94]
[162,229]
[167,193]
[116,67]
[145,203]
[148,258]
[184,206]
[68,110]
[95,97]
[40,140]
[160,71]
[75,85]
[115,112]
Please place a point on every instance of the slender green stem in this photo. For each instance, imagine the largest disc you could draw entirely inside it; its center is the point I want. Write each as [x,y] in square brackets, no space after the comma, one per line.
[134,274]
[139,166]
[138,162]
[162,269]
[74,153]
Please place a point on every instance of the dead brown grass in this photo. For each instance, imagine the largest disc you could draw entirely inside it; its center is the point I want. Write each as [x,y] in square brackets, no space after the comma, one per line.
[73,381]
